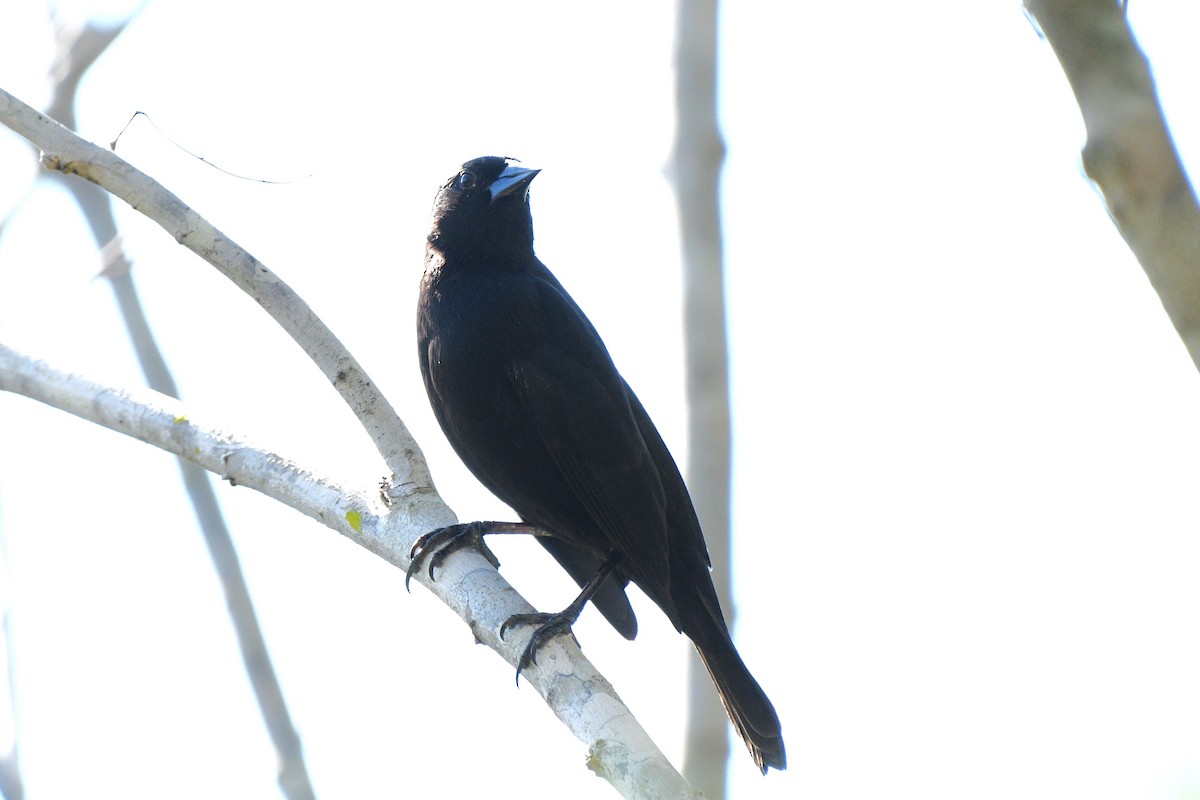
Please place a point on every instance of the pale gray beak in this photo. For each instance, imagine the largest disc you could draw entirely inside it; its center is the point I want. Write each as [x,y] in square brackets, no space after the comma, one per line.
[512,179]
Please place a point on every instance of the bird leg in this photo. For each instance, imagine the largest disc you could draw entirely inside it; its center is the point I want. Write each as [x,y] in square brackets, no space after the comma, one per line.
[551,625]
[437,544]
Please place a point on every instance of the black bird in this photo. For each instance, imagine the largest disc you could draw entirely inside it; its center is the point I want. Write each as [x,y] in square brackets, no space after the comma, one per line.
[527,394]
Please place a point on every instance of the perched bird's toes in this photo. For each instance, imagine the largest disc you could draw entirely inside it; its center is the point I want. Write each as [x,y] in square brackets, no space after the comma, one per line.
[548,626]
[436,545]
[517,620]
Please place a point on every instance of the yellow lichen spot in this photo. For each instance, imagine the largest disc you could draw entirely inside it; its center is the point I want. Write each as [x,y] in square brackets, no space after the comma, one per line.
[355,520]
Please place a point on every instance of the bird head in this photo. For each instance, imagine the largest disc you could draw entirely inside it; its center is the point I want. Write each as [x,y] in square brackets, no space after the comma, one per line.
[484,206]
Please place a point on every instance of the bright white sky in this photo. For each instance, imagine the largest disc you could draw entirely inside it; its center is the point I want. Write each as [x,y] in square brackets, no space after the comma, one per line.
[967,550]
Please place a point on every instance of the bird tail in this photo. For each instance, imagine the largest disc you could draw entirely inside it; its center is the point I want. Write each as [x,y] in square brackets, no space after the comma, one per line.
[746,703]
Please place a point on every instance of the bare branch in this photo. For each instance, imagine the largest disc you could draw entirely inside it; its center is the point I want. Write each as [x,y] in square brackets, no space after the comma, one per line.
[1129,152]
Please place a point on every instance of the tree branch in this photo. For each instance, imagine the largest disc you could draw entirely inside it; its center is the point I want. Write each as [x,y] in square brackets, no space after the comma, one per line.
[619,750]
[696,169]
[1129,152]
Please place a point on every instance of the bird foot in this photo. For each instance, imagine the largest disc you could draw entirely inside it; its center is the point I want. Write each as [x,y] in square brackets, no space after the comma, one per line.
[548,626]
[436,545]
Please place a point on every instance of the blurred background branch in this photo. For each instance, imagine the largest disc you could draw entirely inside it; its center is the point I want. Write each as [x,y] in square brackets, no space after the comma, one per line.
[696,163]
[1129,151]
[79,46]
[11,785]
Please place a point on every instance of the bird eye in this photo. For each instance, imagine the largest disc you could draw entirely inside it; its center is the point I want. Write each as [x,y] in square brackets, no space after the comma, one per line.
[466,180]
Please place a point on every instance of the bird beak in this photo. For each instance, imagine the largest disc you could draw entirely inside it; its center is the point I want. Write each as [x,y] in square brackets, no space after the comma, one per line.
[512,179]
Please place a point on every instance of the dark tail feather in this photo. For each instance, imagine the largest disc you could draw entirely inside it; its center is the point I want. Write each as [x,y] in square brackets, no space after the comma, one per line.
[746,703]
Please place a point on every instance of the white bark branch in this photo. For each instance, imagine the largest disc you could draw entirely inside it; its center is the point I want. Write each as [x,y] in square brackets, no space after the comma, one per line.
[619,750]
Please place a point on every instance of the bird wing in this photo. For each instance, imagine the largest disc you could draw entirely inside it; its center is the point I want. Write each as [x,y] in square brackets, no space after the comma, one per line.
[580,407]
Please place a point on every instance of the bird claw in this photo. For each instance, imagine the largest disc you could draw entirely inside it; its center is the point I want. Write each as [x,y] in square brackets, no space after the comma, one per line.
[436,545]
[548,626]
